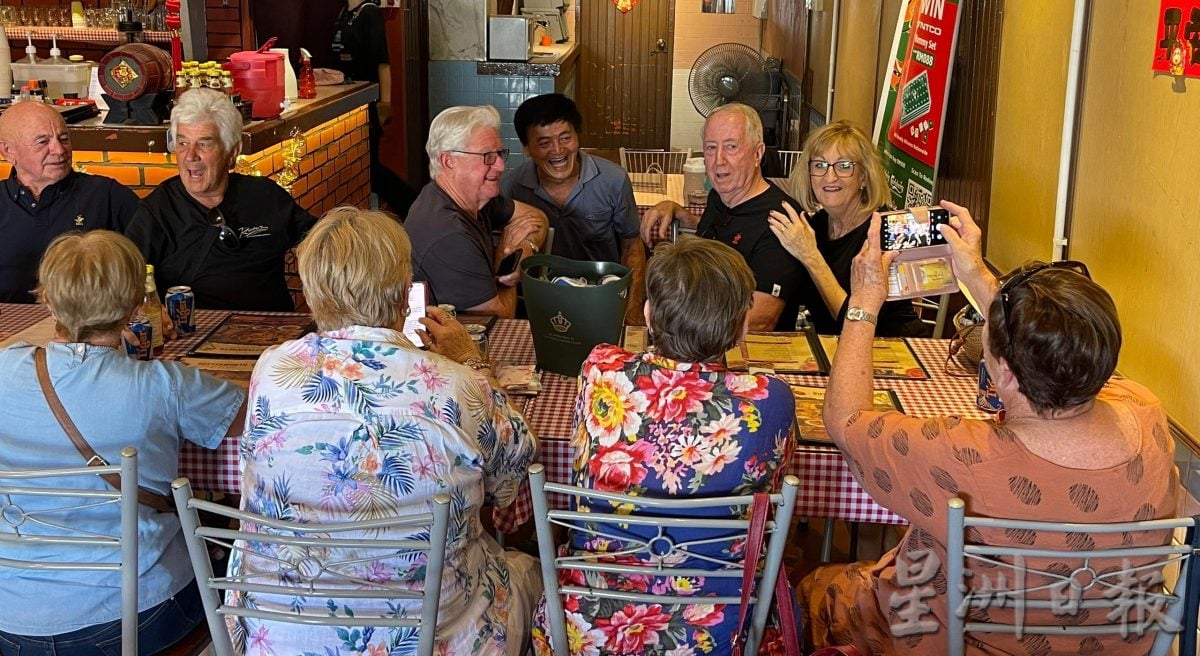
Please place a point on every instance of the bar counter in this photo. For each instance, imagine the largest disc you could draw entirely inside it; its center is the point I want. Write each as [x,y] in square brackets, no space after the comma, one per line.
[332,168]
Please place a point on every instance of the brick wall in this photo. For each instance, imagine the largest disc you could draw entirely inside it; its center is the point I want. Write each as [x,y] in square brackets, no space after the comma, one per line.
[336,170]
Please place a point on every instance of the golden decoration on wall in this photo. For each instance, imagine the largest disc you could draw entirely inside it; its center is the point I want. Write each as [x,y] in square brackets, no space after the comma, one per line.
[625,5]
[294,150]
[244,167]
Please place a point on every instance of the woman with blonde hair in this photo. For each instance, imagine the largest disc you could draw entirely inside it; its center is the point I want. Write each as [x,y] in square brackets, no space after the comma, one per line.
[92,283]
[840,182]
[405,425]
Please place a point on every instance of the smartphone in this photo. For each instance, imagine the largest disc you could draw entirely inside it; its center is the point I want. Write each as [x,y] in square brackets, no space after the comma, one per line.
[508,264]
[418,298]
[913,228]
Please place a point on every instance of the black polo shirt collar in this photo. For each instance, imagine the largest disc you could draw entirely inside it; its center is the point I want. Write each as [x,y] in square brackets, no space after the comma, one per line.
[23,196]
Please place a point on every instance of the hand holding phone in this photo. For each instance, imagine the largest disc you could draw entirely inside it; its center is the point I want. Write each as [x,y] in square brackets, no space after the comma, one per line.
[508,264]
[914,227]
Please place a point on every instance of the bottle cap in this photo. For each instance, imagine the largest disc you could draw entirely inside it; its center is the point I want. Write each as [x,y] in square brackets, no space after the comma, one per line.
[75,59]
[54,51]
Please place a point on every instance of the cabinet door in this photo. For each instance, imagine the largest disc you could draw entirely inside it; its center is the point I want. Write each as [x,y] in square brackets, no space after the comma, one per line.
[403,146]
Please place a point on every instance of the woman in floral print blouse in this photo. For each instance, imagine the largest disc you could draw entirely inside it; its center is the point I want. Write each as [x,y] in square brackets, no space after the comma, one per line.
[673,422]
[416,424]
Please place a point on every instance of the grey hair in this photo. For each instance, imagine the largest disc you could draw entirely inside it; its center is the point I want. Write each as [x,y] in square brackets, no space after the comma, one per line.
[200,105]
[451,129]
[750,118]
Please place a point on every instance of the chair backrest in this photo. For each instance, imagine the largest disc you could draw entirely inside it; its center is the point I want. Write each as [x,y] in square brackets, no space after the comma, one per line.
[636,160]
[660,517]
[1133,598]
[40,516]
[788,160]
[938,307]
[321,561]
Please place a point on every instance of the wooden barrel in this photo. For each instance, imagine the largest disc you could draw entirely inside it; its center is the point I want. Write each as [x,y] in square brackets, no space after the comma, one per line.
[134,70]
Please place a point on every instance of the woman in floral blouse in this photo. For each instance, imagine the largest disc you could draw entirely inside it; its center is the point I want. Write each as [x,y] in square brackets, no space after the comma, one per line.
[673,422]
[417,423]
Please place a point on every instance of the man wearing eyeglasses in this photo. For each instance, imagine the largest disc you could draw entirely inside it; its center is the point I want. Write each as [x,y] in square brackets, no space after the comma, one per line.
[452,221]
[736,214]
[45,197]
[223,234]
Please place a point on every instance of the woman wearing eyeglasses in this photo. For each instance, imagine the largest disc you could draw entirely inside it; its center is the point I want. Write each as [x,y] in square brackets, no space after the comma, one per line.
[1074,445]
[840,182]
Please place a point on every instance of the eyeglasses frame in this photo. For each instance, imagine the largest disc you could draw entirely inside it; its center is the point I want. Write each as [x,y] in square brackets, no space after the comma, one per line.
[502,154]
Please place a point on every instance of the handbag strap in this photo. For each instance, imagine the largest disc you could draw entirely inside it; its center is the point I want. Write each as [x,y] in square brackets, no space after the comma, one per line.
[754,539]
[159,502]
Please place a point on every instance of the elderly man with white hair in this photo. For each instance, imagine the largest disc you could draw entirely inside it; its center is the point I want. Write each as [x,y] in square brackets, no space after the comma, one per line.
[452,220]
[223,234]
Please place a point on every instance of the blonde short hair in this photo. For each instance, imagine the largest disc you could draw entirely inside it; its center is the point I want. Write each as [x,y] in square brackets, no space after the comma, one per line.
[356,266]
[92,282]
[853,143]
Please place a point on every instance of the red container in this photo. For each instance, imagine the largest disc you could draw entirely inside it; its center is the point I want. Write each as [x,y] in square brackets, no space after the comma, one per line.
[258,76]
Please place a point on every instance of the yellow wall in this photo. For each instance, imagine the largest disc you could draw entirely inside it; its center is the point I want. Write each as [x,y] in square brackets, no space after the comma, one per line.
[1029,114]
[696,32]
[1136,209]
[860,42]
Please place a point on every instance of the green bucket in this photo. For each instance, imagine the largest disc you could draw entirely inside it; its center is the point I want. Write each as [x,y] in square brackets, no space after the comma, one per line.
[568,322]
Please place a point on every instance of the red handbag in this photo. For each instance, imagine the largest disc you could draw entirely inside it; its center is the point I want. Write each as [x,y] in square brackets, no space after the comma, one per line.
[786,604]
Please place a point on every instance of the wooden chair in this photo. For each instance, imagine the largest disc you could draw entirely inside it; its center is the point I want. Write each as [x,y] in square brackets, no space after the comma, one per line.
[659,517]
[1089,568]
[308,558]
[37,517]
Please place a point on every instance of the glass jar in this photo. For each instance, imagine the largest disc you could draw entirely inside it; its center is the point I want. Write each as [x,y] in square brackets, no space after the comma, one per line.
[478,334]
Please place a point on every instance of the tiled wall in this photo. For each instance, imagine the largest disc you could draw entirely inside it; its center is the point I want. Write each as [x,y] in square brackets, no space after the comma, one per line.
[336,170]
[696,32]
[454,83]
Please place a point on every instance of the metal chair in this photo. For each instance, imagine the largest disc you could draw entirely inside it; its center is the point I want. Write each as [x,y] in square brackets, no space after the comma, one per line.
[318,561]
[1092,568]
[661,516]
[788,160]
[938,306]
[37,517]
[636,160]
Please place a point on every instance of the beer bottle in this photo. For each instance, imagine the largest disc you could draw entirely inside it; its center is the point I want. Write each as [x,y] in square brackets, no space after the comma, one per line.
[152,308]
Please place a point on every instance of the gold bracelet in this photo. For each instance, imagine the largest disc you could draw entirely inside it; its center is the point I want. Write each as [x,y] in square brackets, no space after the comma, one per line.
[477,363]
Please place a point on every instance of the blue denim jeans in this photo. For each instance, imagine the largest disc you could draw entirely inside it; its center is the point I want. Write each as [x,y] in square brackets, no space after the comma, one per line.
[158,628]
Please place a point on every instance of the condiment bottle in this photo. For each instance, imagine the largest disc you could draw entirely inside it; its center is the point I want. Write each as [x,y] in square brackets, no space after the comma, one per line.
[30,53]
[152,308]
[307,82]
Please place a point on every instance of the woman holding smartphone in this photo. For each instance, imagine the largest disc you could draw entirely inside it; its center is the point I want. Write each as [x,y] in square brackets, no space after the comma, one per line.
[840,183]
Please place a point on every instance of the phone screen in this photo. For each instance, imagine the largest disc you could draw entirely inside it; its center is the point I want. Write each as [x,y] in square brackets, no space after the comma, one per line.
[913,228]
[417,300]
[508,264]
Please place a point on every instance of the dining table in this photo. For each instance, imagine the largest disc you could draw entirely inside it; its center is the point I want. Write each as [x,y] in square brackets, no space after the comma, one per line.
[827,487]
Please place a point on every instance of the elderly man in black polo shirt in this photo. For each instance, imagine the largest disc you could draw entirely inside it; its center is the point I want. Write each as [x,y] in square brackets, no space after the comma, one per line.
[223,234]
[736,214]
[452,220]
[44,197]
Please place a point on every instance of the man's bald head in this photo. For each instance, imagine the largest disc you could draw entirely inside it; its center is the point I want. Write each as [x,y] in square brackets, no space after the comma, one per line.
[34,139]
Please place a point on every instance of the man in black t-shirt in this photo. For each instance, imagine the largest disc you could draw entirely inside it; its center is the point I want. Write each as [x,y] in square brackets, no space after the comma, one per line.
[736,214]
[223,234]
[44,197]
[452,222]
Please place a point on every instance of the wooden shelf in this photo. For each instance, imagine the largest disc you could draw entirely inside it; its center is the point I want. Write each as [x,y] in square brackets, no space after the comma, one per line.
[81,34]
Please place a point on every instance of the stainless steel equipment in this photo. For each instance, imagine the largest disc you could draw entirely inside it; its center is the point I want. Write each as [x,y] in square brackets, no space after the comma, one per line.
[551,13]
[510,38]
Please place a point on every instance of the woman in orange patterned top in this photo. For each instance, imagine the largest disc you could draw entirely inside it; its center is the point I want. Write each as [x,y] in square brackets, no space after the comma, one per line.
[1075,445]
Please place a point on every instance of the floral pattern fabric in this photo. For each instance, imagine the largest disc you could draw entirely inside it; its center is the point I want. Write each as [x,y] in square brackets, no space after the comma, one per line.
[358,424]
[649,426]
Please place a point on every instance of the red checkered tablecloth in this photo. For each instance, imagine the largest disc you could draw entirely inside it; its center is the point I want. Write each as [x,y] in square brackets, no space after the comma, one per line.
[827,488]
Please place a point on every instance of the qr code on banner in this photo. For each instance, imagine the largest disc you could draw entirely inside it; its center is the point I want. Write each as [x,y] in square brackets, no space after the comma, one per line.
[916,195]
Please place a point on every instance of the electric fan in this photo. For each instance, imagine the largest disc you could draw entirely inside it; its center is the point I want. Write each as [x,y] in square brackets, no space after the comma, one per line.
[730,72]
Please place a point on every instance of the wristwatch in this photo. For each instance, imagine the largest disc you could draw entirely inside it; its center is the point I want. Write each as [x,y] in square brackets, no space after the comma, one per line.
[859,314]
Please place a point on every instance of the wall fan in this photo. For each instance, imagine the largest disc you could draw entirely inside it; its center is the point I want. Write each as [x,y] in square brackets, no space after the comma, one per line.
[730,72]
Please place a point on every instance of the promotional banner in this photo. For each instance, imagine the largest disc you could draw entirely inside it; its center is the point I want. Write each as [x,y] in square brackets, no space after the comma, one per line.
[1177,47]
[912,107]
